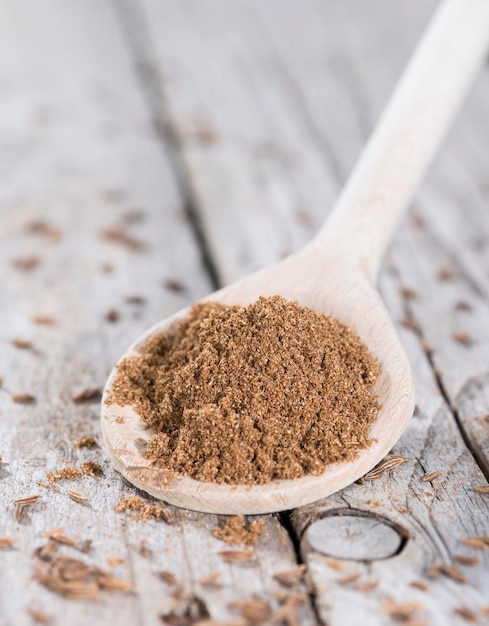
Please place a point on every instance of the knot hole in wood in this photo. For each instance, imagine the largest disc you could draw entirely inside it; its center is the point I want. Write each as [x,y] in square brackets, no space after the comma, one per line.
[355,535]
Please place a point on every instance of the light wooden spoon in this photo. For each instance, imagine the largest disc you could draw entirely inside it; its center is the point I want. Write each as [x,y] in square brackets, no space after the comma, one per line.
[336,272]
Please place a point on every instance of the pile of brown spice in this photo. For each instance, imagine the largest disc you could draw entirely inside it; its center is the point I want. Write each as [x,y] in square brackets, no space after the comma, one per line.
[246,395]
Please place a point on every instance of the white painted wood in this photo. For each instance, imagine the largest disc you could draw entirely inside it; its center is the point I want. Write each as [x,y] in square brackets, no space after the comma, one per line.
[78,150]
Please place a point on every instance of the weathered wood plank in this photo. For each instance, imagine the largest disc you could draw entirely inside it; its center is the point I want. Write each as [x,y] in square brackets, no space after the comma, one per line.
[89,195]
[287,93]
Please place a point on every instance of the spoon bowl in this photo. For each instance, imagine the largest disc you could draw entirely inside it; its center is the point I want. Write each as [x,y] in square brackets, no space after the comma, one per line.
[335,288]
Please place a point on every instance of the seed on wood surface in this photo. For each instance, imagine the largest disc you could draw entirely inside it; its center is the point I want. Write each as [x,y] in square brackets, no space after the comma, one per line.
[26,263]
[91,468]
[143,511]
[21,504]
[24,398]
[418,220]
[112,315]
[367,586]
[254,611]
[467,614]
[451,571]
[174,285]
[461,305]
[420,584]
[91,394]
[463,338]
[338,566]
[188,611]
[445,273]
[46,552]
[43,228]
[119,235]
[77,496]
[411,323]
[467,560]
[23,344]
[110,583]
[38,616]
[211,580]
[6,542]
[290,577]
[482,489]
[107,267]
[87,441]
[401,610]
[387,463]
[140,300]
[56,534]
[480,543]
[44,320]
[168,578]
[408,294]
[348,578]
[426,345]
[114,561]
[237,555]
[144,550]
[236,530]
[85,546]
[431,476]
[286,614]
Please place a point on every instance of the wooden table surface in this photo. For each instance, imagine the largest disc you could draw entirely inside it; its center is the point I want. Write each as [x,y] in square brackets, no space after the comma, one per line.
[151,150]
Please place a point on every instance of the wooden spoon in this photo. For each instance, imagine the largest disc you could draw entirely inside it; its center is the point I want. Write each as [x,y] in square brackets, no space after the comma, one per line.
[336,272]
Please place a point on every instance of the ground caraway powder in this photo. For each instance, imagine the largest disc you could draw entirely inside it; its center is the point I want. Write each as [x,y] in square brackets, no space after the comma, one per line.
[247,395]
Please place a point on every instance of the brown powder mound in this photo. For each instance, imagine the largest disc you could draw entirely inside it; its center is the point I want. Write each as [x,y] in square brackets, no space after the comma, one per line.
[236,530]
[247,395]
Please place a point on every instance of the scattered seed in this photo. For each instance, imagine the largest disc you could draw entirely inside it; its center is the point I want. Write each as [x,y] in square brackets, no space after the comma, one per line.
[365,587]
[290,577]
[168,578]
[112,315]
[56,534]
[6,542]
[237,555]
[23,344]
[114,561]
[467,560]
[107,268]
[21,504]
[445,273]
[463,338]
[26,263]
[113,584]
[134,216]
[119,235]
[136,300]
[411,323]
[401,610]
[338,566]
[420,584]
[144,551]
[77,496]
[39,616]
[480,543]
[254,611]
[40,227]
[174,285]
[418,220]
[461,305]
[87,441]
[484,489]
[348,578]
[467,614]
[426,345]
[431,476]
[236,530]
[286,614]
[453,572]
[408,294]
[92,394]
[23,398]
[211,580]
[389,462]
[44,320]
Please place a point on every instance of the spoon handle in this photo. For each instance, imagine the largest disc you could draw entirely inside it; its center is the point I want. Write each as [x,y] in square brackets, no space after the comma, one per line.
[412,126]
